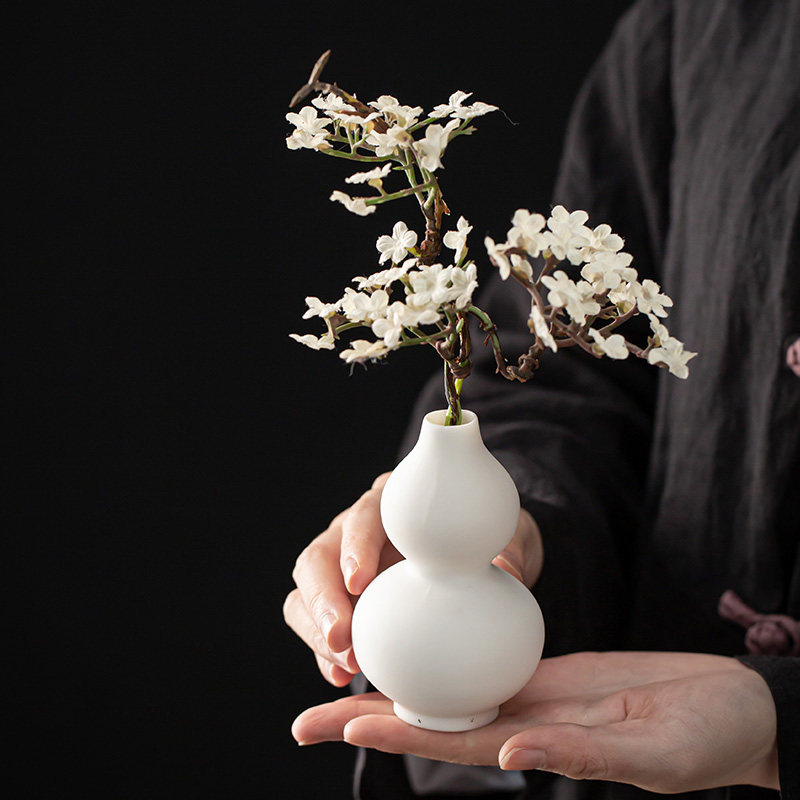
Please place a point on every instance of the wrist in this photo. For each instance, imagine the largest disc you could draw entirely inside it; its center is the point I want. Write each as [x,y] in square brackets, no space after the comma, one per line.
[762,769]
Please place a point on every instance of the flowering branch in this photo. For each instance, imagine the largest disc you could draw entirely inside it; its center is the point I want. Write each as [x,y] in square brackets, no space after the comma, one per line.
[417,300]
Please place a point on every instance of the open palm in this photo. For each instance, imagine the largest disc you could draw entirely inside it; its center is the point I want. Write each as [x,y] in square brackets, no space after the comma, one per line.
[666,722]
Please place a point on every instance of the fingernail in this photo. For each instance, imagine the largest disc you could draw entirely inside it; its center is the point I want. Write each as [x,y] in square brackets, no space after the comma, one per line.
[513,567]
[342,658]
[352,664]
[326,624]
[523,759]
[347,734]
[350,568]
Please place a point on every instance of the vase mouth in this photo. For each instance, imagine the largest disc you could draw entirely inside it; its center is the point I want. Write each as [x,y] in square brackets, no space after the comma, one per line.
[438,418]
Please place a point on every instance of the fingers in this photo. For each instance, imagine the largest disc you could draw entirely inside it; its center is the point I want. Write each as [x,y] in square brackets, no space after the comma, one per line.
[391,735]
[576,751]
[337,668]
[680,734]
[334,673]
[335,566]
[364,541]
[326,723]
[524,556]
[320,609]
[626,752]
[369,721]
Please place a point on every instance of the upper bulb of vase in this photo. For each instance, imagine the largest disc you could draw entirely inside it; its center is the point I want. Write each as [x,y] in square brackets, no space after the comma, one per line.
[450,504]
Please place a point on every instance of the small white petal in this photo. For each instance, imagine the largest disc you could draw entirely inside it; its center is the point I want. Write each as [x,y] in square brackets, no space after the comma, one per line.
[309,340]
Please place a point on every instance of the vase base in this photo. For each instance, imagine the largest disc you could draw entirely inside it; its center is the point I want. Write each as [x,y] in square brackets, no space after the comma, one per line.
[431,723]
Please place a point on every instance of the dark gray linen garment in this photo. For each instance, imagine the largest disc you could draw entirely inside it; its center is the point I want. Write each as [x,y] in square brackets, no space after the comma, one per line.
[655,495]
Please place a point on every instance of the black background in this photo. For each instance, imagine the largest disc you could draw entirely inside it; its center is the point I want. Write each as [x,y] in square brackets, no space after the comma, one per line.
[174,450]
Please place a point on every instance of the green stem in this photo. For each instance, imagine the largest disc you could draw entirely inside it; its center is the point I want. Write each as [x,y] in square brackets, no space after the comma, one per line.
[452,390]
[491,330]
[408,167]
[330,151]
[423,339]
[385,198]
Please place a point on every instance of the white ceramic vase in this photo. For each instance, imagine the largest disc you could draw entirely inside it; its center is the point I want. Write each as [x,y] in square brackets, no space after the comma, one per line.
[445,634]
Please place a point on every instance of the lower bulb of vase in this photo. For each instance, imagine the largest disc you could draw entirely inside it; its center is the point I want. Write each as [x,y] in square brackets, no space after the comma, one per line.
[451,724]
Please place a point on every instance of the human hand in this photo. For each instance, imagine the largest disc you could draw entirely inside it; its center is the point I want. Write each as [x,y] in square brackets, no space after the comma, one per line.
[330,573]
[666,722]
[343,560]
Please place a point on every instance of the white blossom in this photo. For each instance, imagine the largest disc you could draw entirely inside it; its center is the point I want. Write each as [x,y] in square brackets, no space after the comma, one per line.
[304,140]
[607,270]
[498,256]
[463,284]
[455,108]
[396,246]
[361,350]
[457,239]
[316,308]
[399,316]
[660,332]
[390,107]
[309,340]
[307,120]
[602,240]
[357,205]
[568,234]
[338,108]
[577,298]
[377,174]
[385,277]
[364,306]
[624,296]
[431,148]
[477,109]
[612,346]
[583,304]
[539,326]
[384,101]
[385,144]
[411,315]
[455,101]
[522,266]
[429,285]
[526,232]
[649,300]
[310,130]
[390,327]
[432,285]
[353,119]
[672,355]
[331,104]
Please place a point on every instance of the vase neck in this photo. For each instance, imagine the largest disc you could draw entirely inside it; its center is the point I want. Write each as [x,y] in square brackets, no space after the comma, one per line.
[435,432]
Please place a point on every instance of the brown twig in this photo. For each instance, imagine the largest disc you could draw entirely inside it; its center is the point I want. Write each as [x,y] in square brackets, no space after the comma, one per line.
[313,79]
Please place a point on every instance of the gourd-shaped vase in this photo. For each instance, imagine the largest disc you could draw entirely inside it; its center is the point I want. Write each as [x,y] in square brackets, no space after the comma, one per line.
[445,634]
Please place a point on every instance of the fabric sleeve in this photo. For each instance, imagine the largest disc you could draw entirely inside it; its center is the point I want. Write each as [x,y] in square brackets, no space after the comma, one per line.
[782,675]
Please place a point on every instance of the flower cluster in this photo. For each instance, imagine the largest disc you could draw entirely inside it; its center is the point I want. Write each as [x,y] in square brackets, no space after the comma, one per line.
[580,280]
[386,132]
[564,310]
[433,296]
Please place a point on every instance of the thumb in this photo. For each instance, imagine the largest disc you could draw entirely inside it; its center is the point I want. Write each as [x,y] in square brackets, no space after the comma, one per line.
[604,752]
[524,555]
[363,539]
